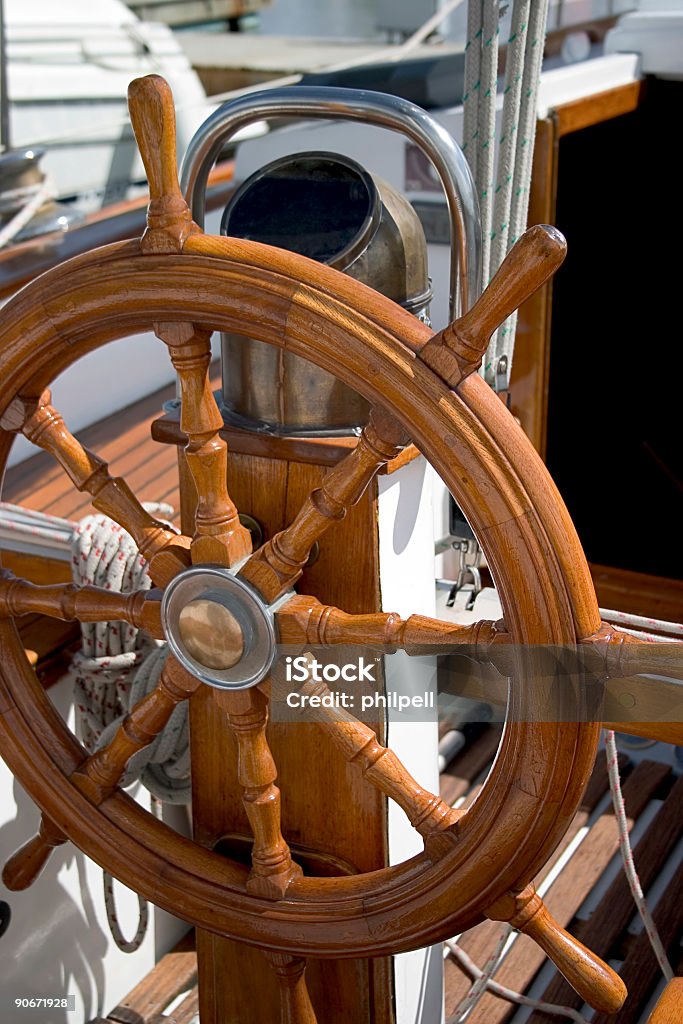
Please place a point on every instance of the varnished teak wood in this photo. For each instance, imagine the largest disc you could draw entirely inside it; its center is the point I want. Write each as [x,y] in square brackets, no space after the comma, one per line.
[69,601]
[152,114]
[669,1008]
[484,459]
[295,1002]
[43,426]
[98,776]
[219,536]
[457,350]
[305,620]
[272,867]
[279,563]
[359,745]
[599,985]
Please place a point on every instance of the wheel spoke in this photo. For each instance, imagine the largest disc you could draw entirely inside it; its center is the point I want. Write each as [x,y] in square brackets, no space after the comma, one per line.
[219,536]
[359,745]
[272,866]
[304,620]
[620,655]
[69,601]
[457,351]
[98,776]
[278,564]
[40,422]
[295,1002]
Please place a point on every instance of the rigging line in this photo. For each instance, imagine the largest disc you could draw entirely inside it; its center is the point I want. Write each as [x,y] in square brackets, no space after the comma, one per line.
[27,212]
[475,15]
[627,857]
[395,53]
[611,615]
[507,147]
[478,989]
[503,992]
[487,127]
[504,342]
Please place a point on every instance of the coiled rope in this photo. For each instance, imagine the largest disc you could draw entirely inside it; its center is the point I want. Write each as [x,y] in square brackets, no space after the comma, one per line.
[116,667]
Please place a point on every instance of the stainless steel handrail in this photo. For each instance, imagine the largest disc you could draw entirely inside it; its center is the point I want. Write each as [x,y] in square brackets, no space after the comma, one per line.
[376,108]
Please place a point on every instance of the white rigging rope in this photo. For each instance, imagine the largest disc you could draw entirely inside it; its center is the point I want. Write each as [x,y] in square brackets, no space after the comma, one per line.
[627,856]
[503,342]
[502,991]
[503,195]
[20,219]
[507,144]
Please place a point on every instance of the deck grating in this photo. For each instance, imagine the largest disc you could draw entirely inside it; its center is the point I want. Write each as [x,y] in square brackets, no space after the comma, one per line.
[606,930]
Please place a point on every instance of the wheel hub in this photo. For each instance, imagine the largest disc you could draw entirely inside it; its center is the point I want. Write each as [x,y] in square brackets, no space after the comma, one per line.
[218,627]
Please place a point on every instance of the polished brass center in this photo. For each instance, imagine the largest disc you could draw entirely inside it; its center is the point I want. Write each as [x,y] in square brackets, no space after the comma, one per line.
[211,634]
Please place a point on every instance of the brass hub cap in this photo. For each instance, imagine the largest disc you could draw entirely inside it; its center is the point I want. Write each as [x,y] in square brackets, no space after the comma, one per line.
[211,633]
[218,627]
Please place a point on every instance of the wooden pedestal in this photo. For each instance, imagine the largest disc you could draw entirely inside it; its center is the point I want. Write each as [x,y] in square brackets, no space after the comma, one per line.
[326,806]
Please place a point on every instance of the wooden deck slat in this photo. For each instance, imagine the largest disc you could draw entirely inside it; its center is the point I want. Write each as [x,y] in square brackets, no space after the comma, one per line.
[456,984]
[105,437]
[469,764]
[640,969]
[615,910]
[123,440]
[186,1011]
[609,919]
[129,462]
[175,973]
[145,482]
[563,898]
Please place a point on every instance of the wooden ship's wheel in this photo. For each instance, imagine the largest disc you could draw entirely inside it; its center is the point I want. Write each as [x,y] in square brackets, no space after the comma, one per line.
[221,607]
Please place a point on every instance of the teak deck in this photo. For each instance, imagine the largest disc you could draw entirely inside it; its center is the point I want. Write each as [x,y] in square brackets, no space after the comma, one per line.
[605,929]
[39,483]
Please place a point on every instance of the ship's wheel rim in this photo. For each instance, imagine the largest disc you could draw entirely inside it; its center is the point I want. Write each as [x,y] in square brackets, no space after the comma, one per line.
[541,769]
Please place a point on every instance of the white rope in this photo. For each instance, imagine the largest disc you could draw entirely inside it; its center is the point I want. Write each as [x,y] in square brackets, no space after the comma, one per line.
[645,621]
[116,667]
[124,944]
[478,989]
[496,989]
[504,202]
[649,637]
[503,342]
[475,19]
[487,126]
[627,856]
[24,215]
[507,146]
[27,530]
[526,136]
[163,766]
[105,555]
